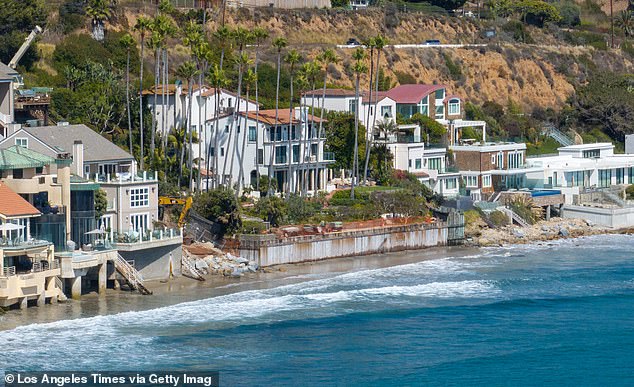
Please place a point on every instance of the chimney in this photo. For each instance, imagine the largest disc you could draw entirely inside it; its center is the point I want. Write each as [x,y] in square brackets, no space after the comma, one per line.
[63,162]
[78,158]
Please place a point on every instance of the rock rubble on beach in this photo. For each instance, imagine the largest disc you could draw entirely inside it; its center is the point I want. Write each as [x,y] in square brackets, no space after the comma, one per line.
[209,260]
[542,231]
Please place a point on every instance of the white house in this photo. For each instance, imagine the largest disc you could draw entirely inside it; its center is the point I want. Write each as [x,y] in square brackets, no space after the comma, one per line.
[582,166]
[267,144]
[7,77]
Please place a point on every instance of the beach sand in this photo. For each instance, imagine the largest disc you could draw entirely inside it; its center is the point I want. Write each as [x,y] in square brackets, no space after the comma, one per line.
[181,289]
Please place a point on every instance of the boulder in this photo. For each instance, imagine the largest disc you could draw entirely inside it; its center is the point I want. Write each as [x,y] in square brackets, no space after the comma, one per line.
[564,232]
[242,260]
[589,223]
[517,233]
[237,272]
[201,264]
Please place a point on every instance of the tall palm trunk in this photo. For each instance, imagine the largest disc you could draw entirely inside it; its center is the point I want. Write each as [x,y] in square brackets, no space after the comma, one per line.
[277,103]
[191,136]
[200,126]
[127,97]
[164,100]
[355,162]
[236,124]
[369,130]
[241,173]
[154,123]
[289,178]
[186,129]
[376,97]
[257,121]
[141,101]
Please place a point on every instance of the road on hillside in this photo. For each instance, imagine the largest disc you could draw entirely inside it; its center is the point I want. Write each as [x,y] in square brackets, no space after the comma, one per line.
[418,45]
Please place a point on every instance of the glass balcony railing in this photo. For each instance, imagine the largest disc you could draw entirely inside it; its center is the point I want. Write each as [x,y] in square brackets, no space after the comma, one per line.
[125,177]
[143,236]
[329,156]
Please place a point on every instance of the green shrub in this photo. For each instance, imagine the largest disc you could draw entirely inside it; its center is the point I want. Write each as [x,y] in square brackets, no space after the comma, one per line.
[518,31]
[301,209]
[404,78]
[220,206]
[630,192]
[498,218]
[570,14]
[252,227]
[586,38]
[454,69]
[273,209]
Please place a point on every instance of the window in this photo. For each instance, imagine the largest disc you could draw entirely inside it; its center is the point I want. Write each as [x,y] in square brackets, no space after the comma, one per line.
[440,112]
[314,150]
[280,154]
[409,163]
[440,94]
[252,133]
[591,154]
[352,106]
[87,171]
[139,197]
[451,183]
[222,152]
[18,173]
[471,181]
[423,106]
[295,153]
[515,160]
[139,221]
[23,142]
[39,170]
[454,106]
[486,180]
[212,151]
[631,175]
[605,177]
[575,179]
[419,164]
[226,128]
[386,111]
[620,175]
[435,164]
[260,156]
[371,110]
[106,222]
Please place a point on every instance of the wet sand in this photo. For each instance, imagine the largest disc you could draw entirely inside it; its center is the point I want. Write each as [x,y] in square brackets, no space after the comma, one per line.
[183,289]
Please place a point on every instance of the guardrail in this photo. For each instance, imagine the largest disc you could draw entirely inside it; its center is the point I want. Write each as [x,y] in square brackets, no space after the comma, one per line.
[9,271]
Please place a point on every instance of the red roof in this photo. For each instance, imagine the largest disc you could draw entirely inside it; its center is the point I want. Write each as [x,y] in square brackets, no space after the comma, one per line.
[283,116]
[13,205]
[412,93]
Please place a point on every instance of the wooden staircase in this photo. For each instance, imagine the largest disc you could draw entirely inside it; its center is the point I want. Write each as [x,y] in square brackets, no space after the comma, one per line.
[131,275]
[515,217]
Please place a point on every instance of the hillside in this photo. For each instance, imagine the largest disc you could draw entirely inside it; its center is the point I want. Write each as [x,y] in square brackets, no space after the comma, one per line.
[543,74]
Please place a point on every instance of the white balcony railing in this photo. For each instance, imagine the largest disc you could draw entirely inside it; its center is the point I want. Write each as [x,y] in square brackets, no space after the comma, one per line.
[5,118]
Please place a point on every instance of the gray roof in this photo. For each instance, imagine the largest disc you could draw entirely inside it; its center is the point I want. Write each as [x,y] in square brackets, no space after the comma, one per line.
[7,72]
[96,147]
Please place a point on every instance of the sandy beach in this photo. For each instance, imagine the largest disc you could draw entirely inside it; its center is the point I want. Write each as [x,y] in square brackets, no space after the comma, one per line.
[182,289]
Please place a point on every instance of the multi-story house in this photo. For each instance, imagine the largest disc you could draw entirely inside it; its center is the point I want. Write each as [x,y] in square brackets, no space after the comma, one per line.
[295,140]
[7,79]
[28,268]
[489,167]
[132,195]
[582,166]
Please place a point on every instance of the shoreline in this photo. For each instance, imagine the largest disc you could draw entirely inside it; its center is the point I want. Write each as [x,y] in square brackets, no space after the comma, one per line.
[182,289]
[542,231]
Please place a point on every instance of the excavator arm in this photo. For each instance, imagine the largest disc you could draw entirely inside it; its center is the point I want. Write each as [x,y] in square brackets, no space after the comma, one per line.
[186,203]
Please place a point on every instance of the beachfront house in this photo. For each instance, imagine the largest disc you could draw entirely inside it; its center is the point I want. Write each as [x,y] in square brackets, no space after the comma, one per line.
[295,140]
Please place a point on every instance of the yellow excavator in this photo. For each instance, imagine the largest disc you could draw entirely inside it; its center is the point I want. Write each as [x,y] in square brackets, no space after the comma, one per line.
[168,201]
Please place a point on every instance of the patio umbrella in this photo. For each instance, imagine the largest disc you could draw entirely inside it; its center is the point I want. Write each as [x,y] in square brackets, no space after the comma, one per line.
[10,227]
[95,232]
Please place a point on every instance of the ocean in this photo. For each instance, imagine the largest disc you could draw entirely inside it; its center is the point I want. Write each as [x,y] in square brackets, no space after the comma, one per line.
[556,314]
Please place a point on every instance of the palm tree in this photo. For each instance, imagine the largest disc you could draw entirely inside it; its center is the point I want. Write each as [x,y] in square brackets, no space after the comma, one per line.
[292,58]
[142,26]
[188,71]
[127,42]
[379,43]
[279,44]
[370,45]
[219,80]
[259,35]
[325,58]
[98,11]
[358,68]
[310,71]
[250,78]
[625,21]
[242,37]
[223,39]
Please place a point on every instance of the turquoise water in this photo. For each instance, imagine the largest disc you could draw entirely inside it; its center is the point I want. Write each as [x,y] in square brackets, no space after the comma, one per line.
[524,315]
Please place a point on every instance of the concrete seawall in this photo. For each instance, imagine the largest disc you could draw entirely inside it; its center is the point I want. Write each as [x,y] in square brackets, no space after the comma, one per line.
[610,217]
[266,250]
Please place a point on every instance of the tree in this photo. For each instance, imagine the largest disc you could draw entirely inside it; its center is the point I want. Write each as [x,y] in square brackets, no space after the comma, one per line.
[326,58]
[279,44]
[101,203]
[187,71]
[249,79]
[379,42]
[273,209]
[340,138]
[142,26]
[219,80]
[358,68]
[449,5]
[259,35]
[536,12]
[98,11]
[370,44]
[309,71]
[292,58]
[625,21]
[127,41]
[220,206]
[17,19]
[433,131]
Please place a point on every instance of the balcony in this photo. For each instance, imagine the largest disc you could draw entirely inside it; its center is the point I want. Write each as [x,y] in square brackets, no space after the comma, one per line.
[126,178]
[135,240]
[18,244]
[5,118]
[329,156]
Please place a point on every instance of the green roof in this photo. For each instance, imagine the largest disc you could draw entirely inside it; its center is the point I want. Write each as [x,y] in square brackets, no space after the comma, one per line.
[17,157]
[78,183]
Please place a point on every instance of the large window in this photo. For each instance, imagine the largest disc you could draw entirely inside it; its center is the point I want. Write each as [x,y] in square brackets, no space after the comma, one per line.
[352,106]
[260,156]
[575,179]
[419,164]
[620,175]
[139,221]
[280,154]
[486,180]
[605,178]
[631,175]
[440,94]
[435,164]
[295,153]
[591,154]
[440,111]
[516,160]
[139,197]
[252,133]
[471,181]
[386,112]
[454,106]
[451,183]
